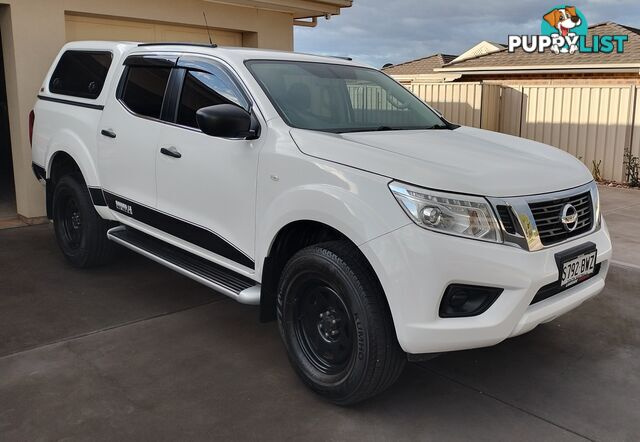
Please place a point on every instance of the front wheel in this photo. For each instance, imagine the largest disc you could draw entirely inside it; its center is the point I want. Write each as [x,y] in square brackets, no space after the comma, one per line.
[81,233]
[336,325]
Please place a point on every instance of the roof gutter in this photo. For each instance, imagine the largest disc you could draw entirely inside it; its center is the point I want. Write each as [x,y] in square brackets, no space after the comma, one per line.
[306,23]
[446,76]
[633,68]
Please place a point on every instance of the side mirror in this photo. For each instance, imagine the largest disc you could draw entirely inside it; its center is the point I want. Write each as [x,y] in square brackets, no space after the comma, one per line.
[227,121]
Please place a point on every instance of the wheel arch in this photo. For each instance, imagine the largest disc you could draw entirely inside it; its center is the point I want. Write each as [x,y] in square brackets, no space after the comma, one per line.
[352,210]
[68,144]
[291,238]
[60,163]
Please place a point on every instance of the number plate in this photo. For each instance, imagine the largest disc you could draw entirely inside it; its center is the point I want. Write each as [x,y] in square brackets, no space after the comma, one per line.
[578,269]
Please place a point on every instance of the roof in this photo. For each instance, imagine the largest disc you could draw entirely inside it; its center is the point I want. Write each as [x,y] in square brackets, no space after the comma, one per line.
[518,59]
[240,54]
[482,48]
[229,53]
[424,65]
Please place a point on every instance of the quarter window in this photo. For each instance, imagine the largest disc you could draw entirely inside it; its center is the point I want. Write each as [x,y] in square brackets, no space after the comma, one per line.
[80,73]
[203,89]
[144,89]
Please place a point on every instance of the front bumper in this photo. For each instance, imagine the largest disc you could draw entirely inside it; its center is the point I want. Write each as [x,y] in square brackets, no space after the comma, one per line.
[415,266]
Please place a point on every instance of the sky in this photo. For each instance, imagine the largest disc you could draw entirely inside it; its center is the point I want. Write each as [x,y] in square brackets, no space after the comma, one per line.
[392,31]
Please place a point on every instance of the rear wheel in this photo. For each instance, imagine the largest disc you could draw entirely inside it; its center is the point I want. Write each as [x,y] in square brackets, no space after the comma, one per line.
[336,325]
[81,233]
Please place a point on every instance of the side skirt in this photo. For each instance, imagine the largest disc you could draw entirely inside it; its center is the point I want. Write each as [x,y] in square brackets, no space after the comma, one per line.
[238,287]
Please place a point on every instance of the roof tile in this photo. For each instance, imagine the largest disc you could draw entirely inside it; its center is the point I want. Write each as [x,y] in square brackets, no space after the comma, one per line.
[424,65]
[519,58]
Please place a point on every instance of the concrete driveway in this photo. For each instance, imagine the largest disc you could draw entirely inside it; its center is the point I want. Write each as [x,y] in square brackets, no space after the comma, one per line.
[134,351]
[621,209]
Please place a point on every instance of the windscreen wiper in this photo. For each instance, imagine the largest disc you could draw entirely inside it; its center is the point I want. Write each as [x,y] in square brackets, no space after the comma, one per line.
[438,127]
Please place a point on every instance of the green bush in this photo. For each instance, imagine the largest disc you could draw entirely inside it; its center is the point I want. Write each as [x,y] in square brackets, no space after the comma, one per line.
[633,169]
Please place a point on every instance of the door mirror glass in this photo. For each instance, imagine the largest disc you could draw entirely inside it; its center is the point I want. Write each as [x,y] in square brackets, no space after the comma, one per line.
[226,121]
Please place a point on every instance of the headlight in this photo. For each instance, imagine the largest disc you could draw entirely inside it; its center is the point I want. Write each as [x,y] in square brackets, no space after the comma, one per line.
[460,215]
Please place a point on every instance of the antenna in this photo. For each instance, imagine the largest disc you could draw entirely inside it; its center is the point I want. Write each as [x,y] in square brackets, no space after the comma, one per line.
[207,26]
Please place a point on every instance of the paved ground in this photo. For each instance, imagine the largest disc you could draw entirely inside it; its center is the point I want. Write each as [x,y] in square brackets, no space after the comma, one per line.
[621,208]
[135,351]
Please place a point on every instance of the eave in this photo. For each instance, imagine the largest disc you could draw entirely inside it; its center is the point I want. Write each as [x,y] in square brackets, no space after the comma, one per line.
[298,8]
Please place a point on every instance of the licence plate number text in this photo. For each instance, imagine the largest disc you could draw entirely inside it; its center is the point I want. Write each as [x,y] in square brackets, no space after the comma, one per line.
[578,269]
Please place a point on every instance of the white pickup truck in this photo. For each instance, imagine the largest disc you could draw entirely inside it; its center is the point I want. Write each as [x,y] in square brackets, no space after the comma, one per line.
[371,228]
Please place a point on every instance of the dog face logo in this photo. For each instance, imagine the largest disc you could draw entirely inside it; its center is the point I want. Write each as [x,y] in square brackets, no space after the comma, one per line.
[564,30]
[563,19]
[566,22]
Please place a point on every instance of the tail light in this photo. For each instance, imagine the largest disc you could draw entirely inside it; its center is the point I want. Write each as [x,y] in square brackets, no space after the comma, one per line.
[32,120]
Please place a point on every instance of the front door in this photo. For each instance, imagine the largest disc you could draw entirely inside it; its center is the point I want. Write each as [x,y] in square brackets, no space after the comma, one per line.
[208,183]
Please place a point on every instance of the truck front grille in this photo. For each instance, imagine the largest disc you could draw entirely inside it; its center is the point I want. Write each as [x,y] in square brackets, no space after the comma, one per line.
[506,216]
[547,215]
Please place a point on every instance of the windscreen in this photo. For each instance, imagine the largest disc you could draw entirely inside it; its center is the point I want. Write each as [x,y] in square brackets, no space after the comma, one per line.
[340,98]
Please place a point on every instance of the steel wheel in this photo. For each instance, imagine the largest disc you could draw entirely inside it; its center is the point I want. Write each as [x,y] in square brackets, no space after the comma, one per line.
[323,327]
[335,324]
[81,233]
[72,223]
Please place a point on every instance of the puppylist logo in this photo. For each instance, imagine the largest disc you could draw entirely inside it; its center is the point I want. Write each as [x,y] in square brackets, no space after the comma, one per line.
[564,31]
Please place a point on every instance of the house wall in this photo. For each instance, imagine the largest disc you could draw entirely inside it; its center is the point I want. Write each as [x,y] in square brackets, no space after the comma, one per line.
[33,31]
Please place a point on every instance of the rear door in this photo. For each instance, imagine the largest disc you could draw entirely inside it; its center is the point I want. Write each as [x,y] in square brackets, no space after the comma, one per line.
[129,134]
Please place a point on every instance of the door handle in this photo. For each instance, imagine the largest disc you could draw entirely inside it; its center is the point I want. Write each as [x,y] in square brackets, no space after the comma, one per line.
[108,133]
[171,152]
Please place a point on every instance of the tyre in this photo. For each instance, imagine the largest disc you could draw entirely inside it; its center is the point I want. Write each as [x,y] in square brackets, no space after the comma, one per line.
[336,325]
[81,233]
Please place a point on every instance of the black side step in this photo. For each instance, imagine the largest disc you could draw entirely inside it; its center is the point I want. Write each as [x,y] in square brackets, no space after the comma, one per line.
[219,278]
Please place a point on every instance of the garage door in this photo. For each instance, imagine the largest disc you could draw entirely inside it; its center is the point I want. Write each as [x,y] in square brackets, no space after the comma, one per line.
[79,27]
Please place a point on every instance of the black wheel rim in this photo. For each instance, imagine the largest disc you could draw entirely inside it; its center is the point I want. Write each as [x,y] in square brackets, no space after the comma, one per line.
[71,223]
[324,328]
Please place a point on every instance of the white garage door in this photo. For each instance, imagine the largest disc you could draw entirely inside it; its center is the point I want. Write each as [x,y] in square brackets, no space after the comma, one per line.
[80,27]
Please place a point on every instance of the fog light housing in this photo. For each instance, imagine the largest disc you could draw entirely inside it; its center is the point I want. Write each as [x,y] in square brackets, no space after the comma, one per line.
[461,300]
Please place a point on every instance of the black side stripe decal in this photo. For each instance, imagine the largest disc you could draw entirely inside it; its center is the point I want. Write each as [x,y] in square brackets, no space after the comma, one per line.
[191,233]
[71,102]
[97,196]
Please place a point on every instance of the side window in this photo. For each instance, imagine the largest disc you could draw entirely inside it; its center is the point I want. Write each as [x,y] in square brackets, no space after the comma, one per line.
[80,73]
[144,89]
[202,89]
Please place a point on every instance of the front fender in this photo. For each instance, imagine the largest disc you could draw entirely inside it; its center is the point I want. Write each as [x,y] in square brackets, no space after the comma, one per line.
[361,211]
